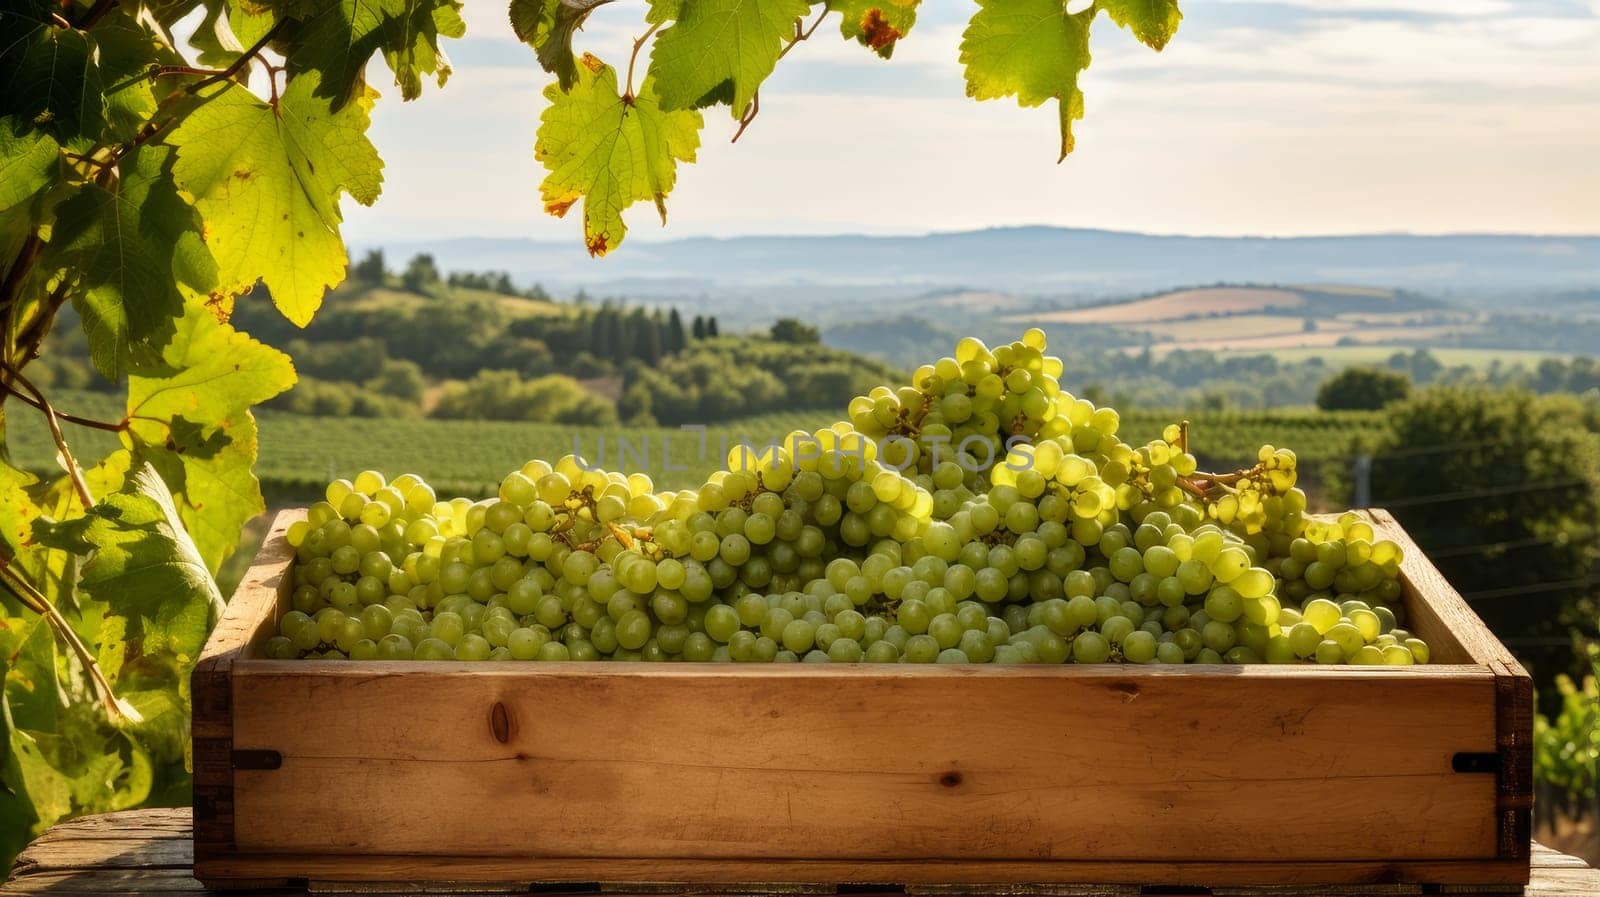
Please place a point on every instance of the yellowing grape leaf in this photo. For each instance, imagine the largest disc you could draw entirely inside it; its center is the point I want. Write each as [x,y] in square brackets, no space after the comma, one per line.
[189,416]
[1153,22]
[267,180]
[877,24]
[1031,49]
[337,39]
[610,151]
[134,246]
[547,26]
[721,50]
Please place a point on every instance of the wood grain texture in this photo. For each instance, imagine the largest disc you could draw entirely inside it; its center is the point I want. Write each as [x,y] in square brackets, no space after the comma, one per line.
[1231,775]
[147,853]
[841,763]
[1436,610]
[245,625]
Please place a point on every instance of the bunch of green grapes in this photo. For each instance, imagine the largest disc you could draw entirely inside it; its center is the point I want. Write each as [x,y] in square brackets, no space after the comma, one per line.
[965,408]
[982,514]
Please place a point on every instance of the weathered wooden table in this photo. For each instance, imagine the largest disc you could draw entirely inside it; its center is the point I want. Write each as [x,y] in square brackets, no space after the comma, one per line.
[149,853]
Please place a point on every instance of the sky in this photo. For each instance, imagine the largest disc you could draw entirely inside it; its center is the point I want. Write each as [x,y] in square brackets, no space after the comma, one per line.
[1280,118]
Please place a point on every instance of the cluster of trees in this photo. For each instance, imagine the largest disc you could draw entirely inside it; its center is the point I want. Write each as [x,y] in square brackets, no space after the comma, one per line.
[1360,388]
[382,354]
[729,377]
[352,378]
[1551,333]
[1202,379]
[503,395]
[1501,488]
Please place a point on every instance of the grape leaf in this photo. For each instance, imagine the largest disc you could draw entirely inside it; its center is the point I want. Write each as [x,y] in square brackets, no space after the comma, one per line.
[610,151]
[27,160]
[17,806]
[189,416]
[128,50]
[135,247]
[17,510]
[338,39]
[49,76]
[547,26]
[1153,22]
[213,38]
[145,569]
[267,182]
[1031,49]
[877,24]
[721,51]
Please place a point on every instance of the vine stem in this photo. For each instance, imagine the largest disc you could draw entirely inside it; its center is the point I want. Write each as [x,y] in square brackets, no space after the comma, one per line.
[800,33]
[633,57]
[749,115]
[35,601]
[99,9]
[31,247]
[73,471]
[12,286]
[90,423]
[243,60]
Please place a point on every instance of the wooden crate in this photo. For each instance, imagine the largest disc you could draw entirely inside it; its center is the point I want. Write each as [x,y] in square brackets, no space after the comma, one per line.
[907,776]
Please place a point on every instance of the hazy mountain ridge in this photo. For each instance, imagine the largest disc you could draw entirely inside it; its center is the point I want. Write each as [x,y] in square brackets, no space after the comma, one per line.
[1064,262]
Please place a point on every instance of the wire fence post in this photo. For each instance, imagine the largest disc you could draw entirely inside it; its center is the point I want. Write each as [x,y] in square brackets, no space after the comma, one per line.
[1361,473]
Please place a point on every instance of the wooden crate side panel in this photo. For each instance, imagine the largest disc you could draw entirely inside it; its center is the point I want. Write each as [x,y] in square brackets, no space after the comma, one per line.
[1514,777]
[1445,620]
[1438,612]
[246,622]
[895,763]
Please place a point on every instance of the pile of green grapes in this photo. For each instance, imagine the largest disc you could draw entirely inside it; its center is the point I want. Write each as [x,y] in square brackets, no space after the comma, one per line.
[979,514]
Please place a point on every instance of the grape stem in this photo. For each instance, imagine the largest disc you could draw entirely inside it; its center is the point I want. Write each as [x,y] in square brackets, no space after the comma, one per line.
[243,60]
[800,33]
[633,57]
[749,114]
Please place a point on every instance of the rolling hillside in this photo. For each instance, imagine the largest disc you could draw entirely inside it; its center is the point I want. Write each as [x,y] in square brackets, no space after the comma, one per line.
[1270,318]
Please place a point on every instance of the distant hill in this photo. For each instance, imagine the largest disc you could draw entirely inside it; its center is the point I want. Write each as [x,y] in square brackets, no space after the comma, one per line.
[1330,301]
[758,276]
[1268,318]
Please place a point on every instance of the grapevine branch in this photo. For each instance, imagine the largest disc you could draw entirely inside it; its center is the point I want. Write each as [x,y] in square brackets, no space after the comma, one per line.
[73,471]
[27,344]
[243,60]
[28,341]
[34,600]
[95,13]
[90,423]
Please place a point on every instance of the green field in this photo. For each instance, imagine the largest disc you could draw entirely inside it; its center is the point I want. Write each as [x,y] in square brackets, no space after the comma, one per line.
[300,454]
